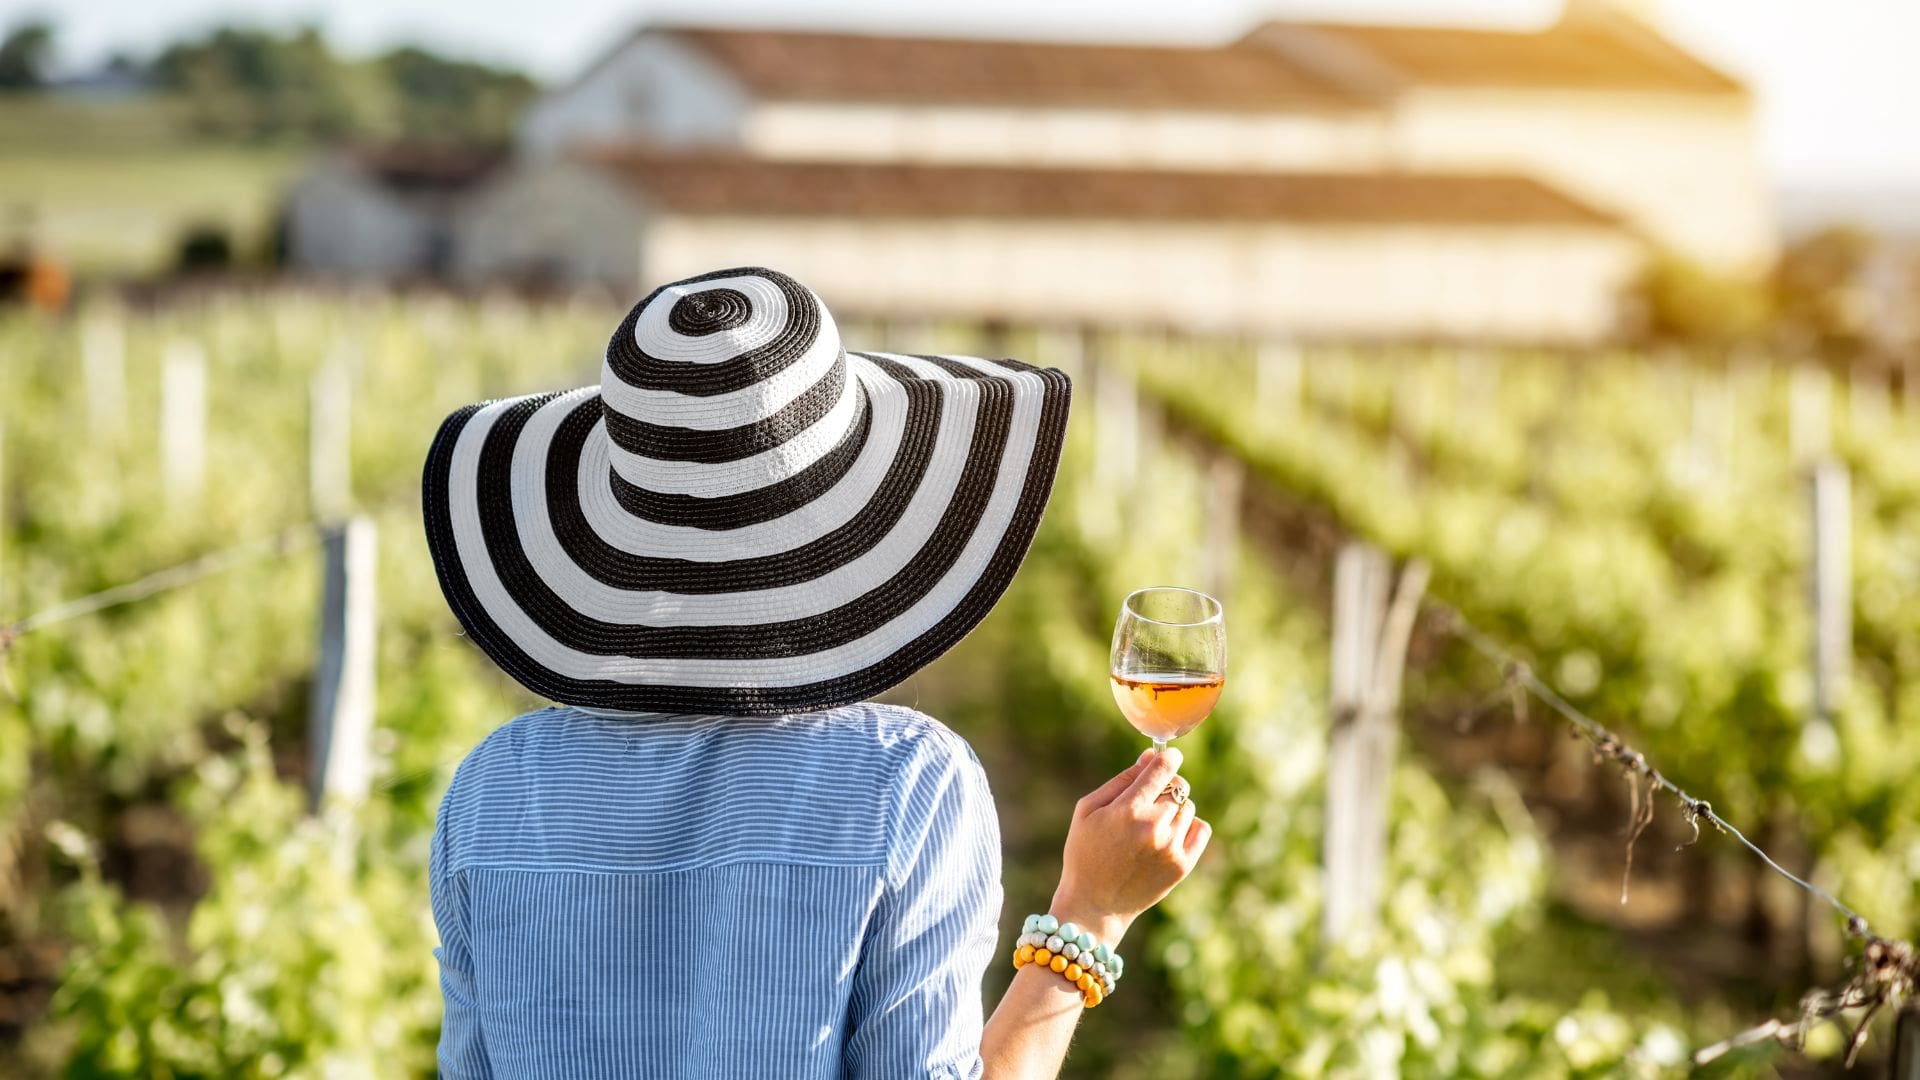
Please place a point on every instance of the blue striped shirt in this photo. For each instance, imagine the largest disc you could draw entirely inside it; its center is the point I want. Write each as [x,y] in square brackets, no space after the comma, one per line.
[662,896]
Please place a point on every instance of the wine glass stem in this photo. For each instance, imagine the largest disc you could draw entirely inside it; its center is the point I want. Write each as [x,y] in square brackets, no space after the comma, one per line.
[1159,745]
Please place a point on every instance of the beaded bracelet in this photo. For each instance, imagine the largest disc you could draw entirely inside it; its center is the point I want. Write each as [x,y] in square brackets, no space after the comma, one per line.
[1073,953]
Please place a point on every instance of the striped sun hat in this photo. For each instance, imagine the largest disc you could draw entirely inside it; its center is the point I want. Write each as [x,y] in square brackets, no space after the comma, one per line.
[742,517]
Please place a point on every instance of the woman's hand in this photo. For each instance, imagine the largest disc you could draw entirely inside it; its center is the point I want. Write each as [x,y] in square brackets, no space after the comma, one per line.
[1128,848]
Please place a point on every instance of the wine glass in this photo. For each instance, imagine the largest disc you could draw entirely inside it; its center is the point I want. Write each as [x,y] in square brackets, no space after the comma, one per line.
[1169,660]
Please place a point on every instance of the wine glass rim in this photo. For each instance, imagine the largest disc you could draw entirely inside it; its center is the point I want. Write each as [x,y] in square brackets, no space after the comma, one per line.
[1216,609]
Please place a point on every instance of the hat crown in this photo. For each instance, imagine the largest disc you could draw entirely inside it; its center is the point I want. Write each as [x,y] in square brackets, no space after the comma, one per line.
[740,518]
[725,383]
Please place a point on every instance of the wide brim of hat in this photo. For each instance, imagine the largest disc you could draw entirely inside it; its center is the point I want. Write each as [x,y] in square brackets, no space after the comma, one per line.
[853,576]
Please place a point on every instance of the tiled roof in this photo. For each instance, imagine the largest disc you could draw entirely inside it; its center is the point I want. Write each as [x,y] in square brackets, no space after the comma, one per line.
[790,65]
[1585,52]
[718,183]
[425,169]
[1301,66]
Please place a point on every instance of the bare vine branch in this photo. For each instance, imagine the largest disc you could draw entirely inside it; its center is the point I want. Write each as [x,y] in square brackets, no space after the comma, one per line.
[1889,969]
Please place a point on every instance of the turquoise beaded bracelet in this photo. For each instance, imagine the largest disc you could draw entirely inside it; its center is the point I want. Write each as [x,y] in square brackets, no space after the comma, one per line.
[1047,935]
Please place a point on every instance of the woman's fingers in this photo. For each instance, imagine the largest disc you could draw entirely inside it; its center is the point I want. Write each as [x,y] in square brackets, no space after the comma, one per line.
[1182,821]
[1111,790]
[1153,779]
[1195,841]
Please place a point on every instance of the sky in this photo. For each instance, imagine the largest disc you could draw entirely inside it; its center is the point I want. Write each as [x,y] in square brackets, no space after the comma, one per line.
[1837,80]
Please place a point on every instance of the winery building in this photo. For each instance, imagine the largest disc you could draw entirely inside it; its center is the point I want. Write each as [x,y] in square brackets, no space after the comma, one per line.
[383,212]
[1304,178]
[1323,254]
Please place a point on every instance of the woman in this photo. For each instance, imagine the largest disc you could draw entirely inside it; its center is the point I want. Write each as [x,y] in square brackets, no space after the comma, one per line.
[712,860]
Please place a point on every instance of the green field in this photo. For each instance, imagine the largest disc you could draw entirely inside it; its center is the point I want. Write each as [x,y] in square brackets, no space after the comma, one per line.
[169,909]
[111,184]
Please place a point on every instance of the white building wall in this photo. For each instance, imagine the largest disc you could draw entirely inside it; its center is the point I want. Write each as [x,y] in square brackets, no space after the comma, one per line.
[552,223]
[338,222]
[1532,284]
[653,88]
[1157,138]
[1683,168]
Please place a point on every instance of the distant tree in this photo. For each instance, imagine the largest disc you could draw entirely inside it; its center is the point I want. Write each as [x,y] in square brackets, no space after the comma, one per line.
[1814,301]
[253,83]
[25,54]
[1677,300]
[250,82]
[1820,289]
[441,97]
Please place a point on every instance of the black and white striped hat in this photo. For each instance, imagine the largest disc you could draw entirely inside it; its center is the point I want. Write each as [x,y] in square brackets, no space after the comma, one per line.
[742,517]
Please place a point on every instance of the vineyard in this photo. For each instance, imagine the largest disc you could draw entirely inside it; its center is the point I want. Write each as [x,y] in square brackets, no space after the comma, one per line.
[1635,528]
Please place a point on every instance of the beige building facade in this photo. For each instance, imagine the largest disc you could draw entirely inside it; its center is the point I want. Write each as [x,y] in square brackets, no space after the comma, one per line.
[1319,281]
[1311,180]
[1317,256]
[1598,104]
[1683,172]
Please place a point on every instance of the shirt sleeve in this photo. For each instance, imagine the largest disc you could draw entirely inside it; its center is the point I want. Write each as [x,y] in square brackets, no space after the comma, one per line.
[915,1009]
[463,1053]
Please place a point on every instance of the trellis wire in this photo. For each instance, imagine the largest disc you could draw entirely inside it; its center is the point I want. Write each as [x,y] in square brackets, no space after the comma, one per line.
[1607,741]
[160,581]
[1891,968]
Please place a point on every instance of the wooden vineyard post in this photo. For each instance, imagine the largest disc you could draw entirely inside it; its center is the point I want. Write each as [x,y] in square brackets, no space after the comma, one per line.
[1411,406]
[1116,427]
[1476,388]
[1063,347]
[1869,404]
[183,422]
[1906,1044]
[1809,412]
[1226,477]
[1372,623]
[1149,433]
[1277,379]
[330,441]
[909,336]
[1107,504]
[103,374]
[1710,451]
[1749,377]
[1832,588]
[340,715]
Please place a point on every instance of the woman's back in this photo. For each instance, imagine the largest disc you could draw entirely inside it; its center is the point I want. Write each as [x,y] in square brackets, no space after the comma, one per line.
[813,895]
[744,518]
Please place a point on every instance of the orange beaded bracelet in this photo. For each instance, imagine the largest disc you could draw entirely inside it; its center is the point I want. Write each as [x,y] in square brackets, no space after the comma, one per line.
[1091,992]
[1071,952]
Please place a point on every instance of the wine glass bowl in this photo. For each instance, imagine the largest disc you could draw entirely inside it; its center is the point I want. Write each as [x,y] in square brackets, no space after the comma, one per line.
[1169,660]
